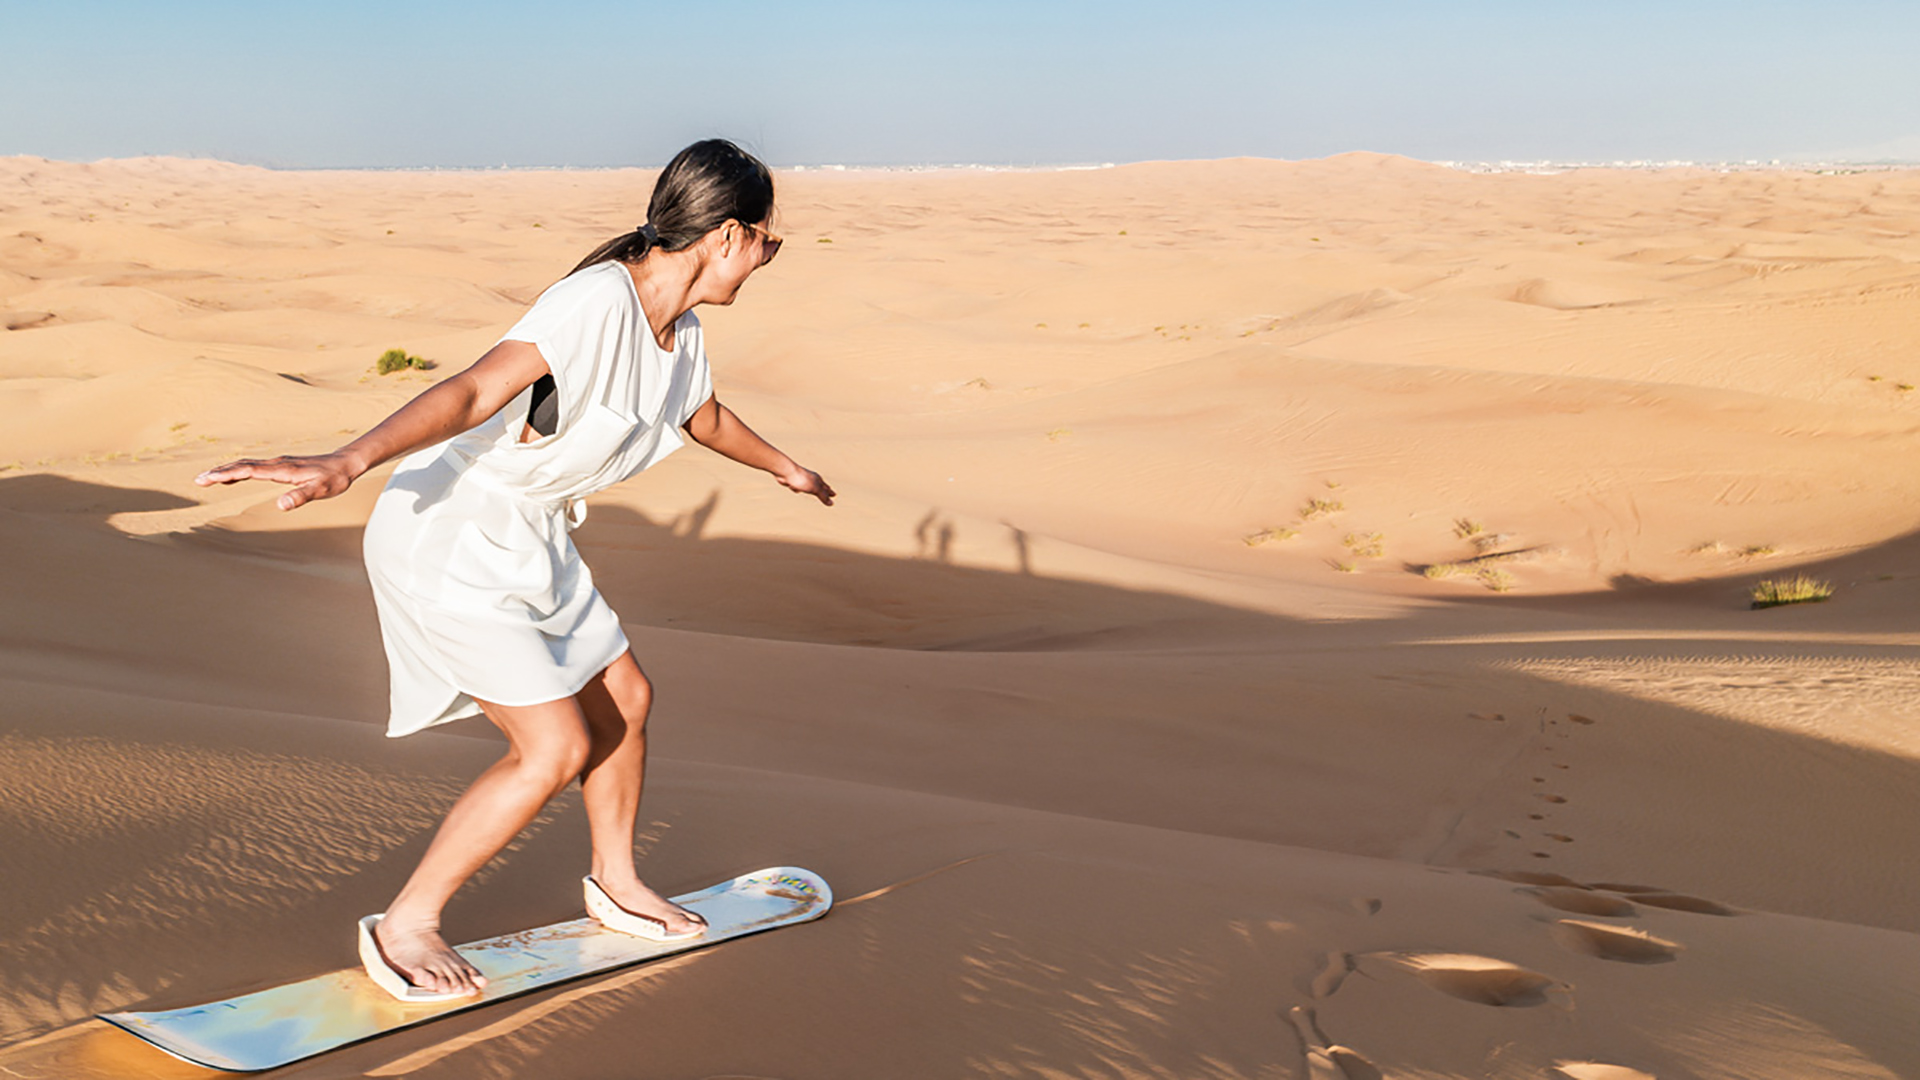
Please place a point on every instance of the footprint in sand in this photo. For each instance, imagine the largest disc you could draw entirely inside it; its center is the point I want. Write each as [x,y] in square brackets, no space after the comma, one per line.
[1682,902]
[1596,1070]
[1333,971]
[1550,797]
[1325,1059]
[1558,890]
[1531,877]
[1480,979]
[1353,1065]
[1622,943]
[1582,902]
[1655,896]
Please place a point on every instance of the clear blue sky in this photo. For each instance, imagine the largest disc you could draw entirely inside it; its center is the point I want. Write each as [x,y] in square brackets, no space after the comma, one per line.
[591,82]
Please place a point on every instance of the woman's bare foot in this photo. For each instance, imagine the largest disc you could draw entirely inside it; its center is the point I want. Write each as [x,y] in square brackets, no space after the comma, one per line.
[417,951]
[634,895]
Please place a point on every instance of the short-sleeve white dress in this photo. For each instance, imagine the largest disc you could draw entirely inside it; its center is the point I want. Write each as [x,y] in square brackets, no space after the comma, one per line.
[479,589]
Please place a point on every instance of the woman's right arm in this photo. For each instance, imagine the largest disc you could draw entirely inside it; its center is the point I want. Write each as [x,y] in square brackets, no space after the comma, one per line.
[458,403]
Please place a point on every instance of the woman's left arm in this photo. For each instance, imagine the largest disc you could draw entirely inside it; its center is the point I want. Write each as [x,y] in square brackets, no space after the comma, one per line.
[715,427]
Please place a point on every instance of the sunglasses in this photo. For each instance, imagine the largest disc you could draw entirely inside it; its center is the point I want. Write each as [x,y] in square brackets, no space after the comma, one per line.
[770,242]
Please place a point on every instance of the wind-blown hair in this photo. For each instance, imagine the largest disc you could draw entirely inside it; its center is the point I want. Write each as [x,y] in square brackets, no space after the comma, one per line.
[701,188]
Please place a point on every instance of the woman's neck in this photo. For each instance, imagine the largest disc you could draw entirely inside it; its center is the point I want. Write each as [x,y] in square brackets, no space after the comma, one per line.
[664,283]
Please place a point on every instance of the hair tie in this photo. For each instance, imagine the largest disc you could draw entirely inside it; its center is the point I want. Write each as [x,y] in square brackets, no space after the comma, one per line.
[648,233]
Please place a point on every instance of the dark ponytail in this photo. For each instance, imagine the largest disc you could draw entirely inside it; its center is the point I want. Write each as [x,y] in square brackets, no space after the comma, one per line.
[703,187]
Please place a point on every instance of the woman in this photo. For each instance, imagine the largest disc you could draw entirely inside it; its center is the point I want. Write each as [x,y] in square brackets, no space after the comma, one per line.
[484,605]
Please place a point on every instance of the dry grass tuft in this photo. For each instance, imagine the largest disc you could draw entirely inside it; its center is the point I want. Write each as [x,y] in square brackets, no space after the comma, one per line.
[1266,536]
[1370,545]
[1494,578]
[1319,508]
[1799,589]
[1484,568]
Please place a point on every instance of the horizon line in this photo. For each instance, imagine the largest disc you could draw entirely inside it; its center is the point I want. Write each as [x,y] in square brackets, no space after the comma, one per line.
[1462,164]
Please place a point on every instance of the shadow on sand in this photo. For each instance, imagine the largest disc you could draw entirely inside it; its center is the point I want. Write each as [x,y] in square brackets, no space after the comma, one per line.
[1003,688]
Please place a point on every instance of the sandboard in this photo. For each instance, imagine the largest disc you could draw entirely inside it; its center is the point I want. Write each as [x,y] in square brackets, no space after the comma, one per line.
[270,1028]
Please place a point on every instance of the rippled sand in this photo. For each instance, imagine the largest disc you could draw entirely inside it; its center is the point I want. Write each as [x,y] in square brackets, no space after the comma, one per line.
[1283,619]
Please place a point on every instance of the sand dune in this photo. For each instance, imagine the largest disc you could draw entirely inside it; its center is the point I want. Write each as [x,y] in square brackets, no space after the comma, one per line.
[1115,697]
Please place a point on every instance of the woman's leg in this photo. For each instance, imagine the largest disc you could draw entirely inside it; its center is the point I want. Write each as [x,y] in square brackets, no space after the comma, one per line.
[616,704]
[547,747]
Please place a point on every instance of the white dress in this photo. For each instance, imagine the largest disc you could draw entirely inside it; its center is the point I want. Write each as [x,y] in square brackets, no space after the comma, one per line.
[479,590]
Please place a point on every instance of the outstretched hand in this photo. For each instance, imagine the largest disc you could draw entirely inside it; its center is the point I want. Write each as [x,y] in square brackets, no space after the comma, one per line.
[318,477]
[807,482]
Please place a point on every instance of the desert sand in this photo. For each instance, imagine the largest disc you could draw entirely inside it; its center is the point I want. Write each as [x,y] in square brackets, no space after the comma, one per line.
[1282,619]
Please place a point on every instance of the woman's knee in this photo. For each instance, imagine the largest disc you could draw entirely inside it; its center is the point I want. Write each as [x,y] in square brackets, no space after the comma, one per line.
[631,694]
[556,758]
[635,700]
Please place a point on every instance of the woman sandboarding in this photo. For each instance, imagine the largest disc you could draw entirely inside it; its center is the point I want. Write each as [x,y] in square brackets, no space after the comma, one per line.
[484,604]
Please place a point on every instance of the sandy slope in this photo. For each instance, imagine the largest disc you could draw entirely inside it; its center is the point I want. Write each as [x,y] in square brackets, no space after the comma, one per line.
[1123,761]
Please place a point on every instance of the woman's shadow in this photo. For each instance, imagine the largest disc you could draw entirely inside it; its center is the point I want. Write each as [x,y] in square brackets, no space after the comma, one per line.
[50,495]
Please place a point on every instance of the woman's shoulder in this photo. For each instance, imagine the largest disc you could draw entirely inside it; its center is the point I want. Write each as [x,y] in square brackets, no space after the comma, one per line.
[605,283]
[566,314]
[583,293]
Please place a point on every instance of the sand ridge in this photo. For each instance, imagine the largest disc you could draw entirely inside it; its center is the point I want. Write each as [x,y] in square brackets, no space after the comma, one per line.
[1115,696]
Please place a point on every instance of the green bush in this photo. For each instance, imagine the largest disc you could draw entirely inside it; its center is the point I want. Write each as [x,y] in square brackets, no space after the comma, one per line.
[397,360]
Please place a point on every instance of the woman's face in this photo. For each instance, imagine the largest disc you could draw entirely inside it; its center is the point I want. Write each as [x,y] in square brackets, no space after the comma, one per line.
[738,250]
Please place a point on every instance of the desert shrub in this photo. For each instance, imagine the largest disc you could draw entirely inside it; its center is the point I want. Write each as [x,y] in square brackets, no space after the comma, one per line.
[398,360]
[1270,535]
[1799,589]
[1370,545]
